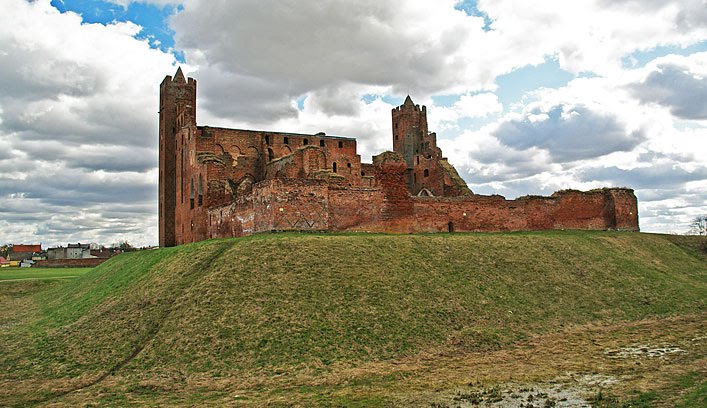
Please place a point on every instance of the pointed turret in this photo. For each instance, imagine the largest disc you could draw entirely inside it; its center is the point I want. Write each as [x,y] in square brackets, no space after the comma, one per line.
[408,101]
[179,76]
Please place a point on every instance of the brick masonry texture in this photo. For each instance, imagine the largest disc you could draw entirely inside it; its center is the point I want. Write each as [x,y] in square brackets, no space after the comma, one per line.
[217,182]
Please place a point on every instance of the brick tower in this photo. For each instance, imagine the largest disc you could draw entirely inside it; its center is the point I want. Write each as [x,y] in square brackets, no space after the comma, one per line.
[418,147]
[177,109]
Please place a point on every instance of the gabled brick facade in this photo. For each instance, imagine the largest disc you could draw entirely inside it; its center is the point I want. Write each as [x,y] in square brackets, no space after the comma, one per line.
[217,182]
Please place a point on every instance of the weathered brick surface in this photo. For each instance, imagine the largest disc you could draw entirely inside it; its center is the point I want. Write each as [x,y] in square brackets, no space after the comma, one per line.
[217,182]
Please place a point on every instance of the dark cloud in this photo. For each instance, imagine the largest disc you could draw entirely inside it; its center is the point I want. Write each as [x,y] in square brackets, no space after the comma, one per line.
[247,98]
[268,52]
[674,87]
[109,158]
[656,176]
[569,133]
[689,14]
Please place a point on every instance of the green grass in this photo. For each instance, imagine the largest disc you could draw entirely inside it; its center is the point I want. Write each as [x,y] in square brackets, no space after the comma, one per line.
[41,273]
[282,304]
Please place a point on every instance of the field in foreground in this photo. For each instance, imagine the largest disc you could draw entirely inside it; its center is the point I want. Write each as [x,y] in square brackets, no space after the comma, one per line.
[8,274]
[368,320]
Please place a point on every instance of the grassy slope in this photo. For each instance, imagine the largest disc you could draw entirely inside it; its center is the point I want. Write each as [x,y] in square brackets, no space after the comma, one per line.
[278,303]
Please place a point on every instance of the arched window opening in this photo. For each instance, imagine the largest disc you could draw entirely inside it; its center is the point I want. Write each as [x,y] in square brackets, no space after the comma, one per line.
[333,167]
[321,143]
[305,142]
[191,194]
[201,192]
[286,140]
[348,165]
[363,174]
[426,173]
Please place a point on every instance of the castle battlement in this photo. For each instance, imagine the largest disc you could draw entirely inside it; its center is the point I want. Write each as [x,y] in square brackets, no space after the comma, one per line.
[222,182]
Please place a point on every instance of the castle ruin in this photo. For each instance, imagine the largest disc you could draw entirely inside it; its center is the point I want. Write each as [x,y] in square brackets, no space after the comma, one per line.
[217,182]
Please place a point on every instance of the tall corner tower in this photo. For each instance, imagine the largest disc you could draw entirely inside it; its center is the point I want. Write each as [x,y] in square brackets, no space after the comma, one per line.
[414,142]
[409,128]
[177,109]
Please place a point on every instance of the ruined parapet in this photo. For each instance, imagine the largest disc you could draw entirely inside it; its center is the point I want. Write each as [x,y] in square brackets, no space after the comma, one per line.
[625,209]
[390,170]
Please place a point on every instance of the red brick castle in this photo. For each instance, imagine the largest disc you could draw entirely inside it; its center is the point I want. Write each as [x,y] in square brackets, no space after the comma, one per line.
[217,182]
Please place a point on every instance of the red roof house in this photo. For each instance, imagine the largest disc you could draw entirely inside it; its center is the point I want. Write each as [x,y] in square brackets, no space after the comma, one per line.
[26,248]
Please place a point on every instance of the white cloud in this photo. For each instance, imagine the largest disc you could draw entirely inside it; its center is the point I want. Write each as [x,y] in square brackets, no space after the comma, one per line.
[78,111]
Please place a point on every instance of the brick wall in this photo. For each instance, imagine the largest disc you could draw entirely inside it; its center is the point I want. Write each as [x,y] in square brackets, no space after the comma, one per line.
[321,204]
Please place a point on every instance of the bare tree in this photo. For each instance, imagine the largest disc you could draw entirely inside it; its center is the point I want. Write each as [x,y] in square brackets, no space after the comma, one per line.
[698,226]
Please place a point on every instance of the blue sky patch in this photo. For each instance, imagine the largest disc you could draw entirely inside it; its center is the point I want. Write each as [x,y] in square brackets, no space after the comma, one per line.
[369,98]
[471,8]
[512,87]
[639,59]
[300,102]
[152,19]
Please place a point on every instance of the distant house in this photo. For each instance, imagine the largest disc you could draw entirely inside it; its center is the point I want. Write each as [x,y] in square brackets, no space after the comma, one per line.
[104,253]
[71,251]
[21,252]
[4,262]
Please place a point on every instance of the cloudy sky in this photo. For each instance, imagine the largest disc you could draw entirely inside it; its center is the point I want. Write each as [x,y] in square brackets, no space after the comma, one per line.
[526,97]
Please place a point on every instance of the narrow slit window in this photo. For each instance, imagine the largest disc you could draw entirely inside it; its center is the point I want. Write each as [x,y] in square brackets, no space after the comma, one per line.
[426,173]
[321,143]
[286,140]
[333,167]
[201,192]
[191,194]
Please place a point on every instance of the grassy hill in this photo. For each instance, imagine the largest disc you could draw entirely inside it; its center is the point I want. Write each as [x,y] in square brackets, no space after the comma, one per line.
[291,317]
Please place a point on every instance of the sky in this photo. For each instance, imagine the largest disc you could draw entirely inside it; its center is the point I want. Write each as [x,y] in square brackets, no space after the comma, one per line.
[525,97]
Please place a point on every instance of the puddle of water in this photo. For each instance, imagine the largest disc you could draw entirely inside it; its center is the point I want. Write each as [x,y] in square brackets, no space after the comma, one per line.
[643,350]
[539,395]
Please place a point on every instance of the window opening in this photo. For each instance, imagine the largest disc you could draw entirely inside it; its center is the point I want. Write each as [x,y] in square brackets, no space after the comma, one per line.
[201,192]
[341,144]
[191,195]
[427,173]
[286,140]
[333,166]
[321,143]
[305,142]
